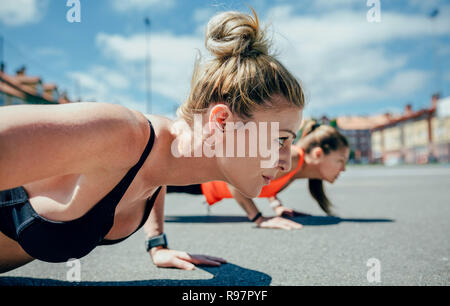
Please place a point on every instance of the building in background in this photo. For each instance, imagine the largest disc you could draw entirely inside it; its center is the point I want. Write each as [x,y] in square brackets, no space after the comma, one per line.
[357,130]
[440,125]
[415,137]
[24,89]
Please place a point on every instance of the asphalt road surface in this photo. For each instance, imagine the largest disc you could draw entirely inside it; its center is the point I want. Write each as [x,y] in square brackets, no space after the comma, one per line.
[393,227]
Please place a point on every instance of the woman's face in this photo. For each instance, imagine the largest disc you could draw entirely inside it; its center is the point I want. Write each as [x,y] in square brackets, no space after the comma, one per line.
[267,149]
[333,163]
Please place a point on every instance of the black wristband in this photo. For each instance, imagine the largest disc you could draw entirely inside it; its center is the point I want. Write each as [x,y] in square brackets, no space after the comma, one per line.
[256,217]
[160,240]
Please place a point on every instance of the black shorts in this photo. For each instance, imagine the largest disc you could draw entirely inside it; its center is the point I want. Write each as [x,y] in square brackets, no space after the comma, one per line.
[15,211]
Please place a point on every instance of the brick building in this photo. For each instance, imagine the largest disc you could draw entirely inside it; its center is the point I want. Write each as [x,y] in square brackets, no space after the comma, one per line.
[415,137]
[23,89]
[357,130]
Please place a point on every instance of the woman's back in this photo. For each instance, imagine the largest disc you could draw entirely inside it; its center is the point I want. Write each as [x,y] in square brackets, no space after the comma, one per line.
[67,197]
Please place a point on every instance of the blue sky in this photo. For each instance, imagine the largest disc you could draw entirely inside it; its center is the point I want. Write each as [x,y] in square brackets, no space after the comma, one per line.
[347,65]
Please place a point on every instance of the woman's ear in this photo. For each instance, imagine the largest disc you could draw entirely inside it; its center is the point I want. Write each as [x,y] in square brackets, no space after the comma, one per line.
[218,117]
[317,154]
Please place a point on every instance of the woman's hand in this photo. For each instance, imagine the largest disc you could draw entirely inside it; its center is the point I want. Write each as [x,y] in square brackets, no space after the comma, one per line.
[283,211]
[278,223]
[167,258]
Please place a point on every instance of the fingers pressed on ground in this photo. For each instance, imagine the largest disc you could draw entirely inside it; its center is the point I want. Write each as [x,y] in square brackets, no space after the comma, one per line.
[184,265]
[207,262]
[217,259]
[296,226]
[204,260]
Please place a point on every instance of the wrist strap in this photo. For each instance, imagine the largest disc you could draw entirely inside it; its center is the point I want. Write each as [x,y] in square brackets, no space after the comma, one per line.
[256,217]
[156,241]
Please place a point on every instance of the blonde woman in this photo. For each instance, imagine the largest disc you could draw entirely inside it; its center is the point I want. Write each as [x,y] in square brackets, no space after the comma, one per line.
[320,155]
[76,176]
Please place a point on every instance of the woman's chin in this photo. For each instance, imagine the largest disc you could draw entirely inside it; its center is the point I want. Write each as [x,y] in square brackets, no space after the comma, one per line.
[253,193]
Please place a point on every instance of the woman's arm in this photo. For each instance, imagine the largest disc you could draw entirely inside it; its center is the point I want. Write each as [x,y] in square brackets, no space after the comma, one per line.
[283,211]
[154,225]
[165,257]
[247,204]
[41,141]
[250,208]
[278,207]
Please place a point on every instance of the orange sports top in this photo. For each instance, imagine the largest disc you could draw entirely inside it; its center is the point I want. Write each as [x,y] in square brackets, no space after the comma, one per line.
[215,191]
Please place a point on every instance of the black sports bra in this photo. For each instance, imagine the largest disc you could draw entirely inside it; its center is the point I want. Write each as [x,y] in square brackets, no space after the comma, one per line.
[59,241]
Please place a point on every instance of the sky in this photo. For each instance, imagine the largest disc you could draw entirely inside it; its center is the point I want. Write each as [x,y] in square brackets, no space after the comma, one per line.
[347,65]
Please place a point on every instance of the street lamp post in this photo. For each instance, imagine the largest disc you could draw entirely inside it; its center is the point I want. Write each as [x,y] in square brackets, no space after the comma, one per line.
[147,65]
[2,64]
[2,67]
[435,52]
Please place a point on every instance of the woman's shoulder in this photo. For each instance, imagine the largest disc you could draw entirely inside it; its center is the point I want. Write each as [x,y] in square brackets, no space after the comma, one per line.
[161,125]
[162,128]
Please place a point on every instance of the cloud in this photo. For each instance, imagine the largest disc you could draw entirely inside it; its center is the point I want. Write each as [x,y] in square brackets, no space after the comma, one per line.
[202,15]
[340,58]
[101,84]
[343,59]
[22,12]
[91,88]
[172,59]
[138,5]
[112,78]
[337,4]
[407,82]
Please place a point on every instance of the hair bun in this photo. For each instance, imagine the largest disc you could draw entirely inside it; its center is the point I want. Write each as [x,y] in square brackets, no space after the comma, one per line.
[235,34]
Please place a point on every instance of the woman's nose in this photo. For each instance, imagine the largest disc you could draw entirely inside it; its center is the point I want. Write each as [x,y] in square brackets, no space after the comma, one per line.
[284,163]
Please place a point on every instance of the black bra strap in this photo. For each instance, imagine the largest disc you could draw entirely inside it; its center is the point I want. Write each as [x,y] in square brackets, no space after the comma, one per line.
[119,190]
[148,208]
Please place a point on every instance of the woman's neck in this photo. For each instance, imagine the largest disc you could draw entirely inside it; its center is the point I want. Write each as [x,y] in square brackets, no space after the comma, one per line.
[185,168]
[192,170]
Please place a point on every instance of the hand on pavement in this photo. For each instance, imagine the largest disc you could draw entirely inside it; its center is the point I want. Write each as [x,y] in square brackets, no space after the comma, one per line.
[278,223]
[167,258]
[282,211]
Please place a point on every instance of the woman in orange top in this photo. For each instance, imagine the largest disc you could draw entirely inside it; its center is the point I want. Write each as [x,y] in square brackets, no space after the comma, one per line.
[321,154]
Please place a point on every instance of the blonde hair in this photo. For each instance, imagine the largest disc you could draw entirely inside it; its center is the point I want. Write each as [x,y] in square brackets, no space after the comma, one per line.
[242,73]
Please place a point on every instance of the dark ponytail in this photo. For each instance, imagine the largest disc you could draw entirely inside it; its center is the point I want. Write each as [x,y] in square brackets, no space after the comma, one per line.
[316,190]
[329,139]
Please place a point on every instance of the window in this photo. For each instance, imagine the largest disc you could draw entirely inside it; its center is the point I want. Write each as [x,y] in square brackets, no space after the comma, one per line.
[2,99]
[39,89]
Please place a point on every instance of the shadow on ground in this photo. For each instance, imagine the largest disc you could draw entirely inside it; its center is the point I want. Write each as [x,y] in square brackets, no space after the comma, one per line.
[225,275]
[305,220]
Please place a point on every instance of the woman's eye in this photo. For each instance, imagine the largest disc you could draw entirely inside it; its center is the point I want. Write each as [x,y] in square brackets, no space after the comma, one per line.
[282,141]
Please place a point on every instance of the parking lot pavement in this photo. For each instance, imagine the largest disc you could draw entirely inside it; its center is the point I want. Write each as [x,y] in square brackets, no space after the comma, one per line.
[393,219]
